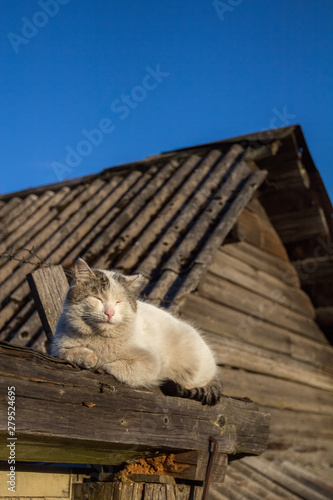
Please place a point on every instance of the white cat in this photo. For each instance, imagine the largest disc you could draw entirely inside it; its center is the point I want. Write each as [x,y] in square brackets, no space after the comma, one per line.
[104,326]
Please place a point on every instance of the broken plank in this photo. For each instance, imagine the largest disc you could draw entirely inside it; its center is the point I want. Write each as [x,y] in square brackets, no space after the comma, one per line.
[48,287]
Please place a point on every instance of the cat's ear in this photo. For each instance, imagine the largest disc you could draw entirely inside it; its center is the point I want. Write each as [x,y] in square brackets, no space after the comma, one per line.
[134,282]
[82,272]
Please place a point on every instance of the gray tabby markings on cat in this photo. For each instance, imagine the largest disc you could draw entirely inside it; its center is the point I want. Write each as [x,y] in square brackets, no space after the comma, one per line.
[103,325]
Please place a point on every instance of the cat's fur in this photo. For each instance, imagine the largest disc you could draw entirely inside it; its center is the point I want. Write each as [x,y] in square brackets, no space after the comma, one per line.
[103,325]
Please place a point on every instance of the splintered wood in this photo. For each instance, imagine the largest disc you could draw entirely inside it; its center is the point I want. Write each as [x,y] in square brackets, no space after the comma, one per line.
[48,287]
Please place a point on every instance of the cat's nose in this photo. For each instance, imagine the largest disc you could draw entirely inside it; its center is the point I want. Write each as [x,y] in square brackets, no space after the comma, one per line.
[110,313]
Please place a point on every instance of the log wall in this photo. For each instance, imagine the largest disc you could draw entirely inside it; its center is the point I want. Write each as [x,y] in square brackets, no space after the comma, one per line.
[261,326]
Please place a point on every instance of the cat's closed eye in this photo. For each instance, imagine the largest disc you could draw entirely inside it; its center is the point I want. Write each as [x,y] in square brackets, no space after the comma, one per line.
[98,298]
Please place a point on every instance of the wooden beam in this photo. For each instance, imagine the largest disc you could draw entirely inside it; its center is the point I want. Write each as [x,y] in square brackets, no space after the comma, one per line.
[48,287]
[289,175]
[301,225]
[315,270]
[92,413]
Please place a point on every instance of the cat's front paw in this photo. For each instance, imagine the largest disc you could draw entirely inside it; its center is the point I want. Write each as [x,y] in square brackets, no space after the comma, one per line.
[89,359]
[79,355]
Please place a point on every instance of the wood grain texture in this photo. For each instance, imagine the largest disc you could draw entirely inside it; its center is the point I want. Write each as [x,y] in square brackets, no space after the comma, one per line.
[50,397]
[136,491]
[271,392]
[48,287]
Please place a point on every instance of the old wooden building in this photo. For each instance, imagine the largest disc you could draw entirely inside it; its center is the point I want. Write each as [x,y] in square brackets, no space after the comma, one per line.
[235,235]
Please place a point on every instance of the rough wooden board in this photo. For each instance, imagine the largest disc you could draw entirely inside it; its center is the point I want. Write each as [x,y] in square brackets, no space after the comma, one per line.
[284,479]
[242,486]
[144,224]
[50,399]
[24,218]
[136,491]
[222,196]
[271,392]
[235,353]
[221,320]
[48,287]
[251,480]
[234,296]
[195,206]
[308,478]
[225,223]
[315,270]
[302,225]
[256,229]
[290,427]
[131,257]
[268,263]
[239,272]
[107,212]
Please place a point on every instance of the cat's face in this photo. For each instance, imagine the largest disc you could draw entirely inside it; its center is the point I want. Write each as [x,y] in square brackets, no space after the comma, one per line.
[102,300]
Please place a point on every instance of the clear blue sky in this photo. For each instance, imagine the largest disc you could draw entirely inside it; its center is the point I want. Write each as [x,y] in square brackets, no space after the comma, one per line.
[154,76]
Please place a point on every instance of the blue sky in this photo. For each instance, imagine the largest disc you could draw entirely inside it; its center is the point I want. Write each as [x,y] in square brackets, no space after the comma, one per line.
[88,84]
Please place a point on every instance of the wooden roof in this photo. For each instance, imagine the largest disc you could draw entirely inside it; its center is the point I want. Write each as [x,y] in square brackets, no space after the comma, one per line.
[165,220]
[167,217]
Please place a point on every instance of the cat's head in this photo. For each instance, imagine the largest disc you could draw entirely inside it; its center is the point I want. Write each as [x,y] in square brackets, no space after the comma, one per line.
[101,301]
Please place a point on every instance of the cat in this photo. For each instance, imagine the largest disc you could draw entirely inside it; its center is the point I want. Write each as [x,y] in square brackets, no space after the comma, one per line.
[103,325]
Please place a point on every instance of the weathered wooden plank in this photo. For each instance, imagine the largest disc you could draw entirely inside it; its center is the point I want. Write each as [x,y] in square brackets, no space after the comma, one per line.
[213,211]
[240,485]
[256,229]
[51,398]
[9,206]
[269,310]
[221,320]
[219,233]
[48,287]
[32,214]
[271,392]
[262,260]
[303,225]
[227,267]
[258,482]
[200,168]
[16,216]
[232,352]
[197,202]
[283,478]
[315,270]
[290,427]
[307,478]
[145,220]
[286,175]
[108,490]
[135,491]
